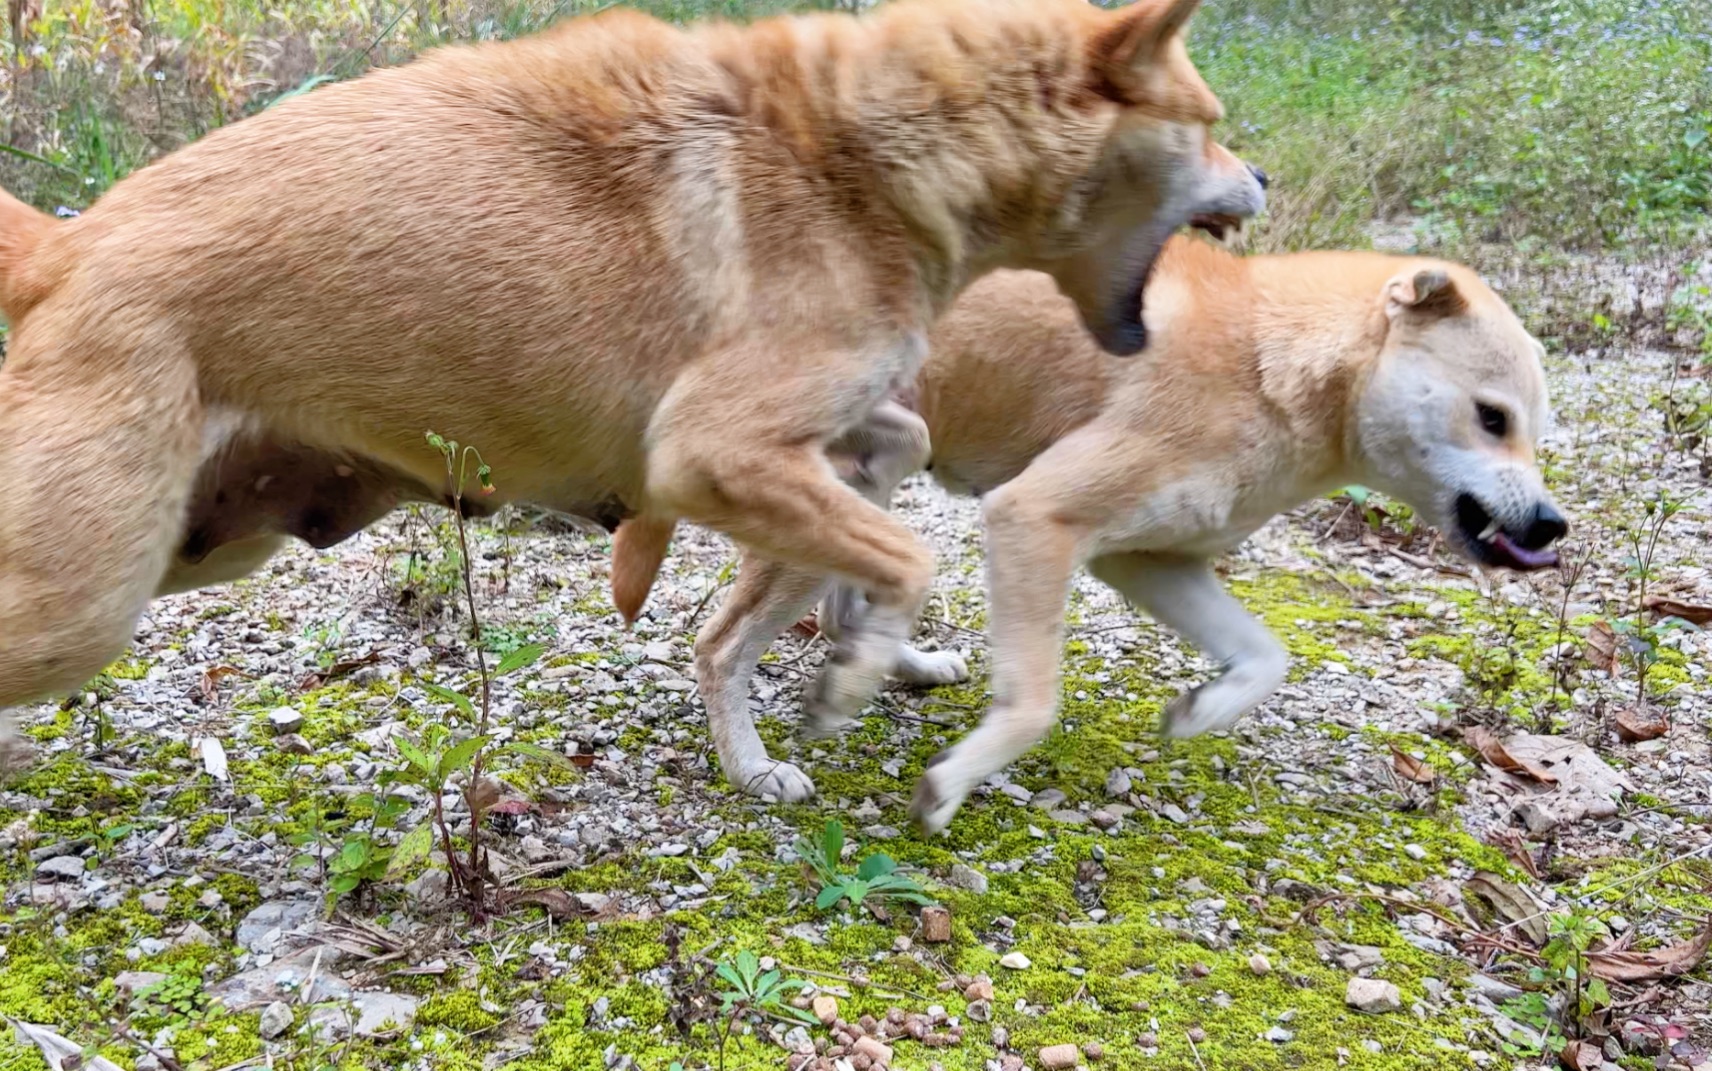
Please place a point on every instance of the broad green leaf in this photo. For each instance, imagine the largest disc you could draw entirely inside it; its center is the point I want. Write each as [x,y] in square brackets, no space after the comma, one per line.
[527,655]
[748,966]
[829,896]
[461,755]
[877,865]
[414,755]
[411,850]
[725,971]
[833,841]
[857,890]
[457,699]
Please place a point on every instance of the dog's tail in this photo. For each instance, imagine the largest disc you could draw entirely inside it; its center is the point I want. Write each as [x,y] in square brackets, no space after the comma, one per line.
[22,282]
[639,546]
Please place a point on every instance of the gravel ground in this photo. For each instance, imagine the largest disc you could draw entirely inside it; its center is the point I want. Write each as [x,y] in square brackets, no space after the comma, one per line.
[1293,894]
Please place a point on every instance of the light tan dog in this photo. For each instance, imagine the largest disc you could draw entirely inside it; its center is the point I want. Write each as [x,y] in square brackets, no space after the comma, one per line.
[1274,379]
[644,270]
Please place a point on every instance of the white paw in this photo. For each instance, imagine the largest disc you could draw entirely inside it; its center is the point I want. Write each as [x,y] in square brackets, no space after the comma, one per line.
[1198,710]
[838,693]
[928,669]
[780,780]
[15,751]
[936,800]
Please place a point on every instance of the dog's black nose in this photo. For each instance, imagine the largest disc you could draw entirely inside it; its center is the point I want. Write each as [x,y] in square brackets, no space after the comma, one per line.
[1547,527]
[1259,176]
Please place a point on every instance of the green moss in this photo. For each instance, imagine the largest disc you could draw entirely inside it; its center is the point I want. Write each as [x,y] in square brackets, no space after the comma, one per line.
[460,1010]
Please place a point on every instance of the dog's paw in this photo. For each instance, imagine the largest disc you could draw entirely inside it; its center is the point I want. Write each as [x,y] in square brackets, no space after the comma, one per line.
[1198,710]
[779,780]
[936,799]
[838,693]
[928,669]
[15,752]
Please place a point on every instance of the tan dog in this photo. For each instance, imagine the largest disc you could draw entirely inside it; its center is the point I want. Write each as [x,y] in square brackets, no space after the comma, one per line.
[1274,379]
[645,270]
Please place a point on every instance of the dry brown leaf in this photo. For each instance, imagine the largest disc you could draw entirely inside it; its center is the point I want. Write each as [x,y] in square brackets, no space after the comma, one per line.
[1492,749]
[1602,647]
[556,902]
[1516,850]
[1665,606]
[1582,1056]
[1514,904]
[1409,768]
[808,627]
[1634,726]
[1667,962]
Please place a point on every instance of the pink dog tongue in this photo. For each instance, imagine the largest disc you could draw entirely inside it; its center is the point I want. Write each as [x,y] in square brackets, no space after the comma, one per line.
[1522,558]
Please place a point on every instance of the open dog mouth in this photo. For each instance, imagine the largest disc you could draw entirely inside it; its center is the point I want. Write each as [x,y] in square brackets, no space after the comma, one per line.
[1487,542]
[1215,224]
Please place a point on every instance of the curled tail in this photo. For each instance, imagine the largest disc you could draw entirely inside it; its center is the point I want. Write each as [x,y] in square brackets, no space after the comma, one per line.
[638,547]
[22,282]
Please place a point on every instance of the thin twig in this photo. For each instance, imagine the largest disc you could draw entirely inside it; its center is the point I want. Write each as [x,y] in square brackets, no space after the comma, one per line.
[862,982]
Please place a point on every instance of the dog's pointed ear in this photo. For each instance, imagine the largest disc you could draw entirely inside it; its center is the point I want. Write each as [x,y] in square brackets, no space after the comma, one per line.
[1429,292]
[1135,39]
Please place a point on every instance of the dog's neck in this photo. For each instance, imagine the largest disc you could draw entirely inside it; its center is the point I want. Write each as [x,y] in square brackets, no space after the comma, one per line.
[1314,358]
[890,108]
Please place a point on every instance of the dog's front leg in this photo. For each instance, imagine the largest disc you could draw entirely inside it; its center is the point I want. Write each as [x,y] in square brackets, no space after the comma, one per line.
[1185,596]
[886,449]
[724,457]
[767,598]
[1031,554]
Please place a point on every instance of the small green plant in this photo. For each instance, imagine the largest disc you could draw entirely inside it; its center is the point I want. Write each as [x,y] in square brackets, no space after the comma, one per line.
[752,990]
[1563,972]
[177,997]
[1643,639]
[875,880]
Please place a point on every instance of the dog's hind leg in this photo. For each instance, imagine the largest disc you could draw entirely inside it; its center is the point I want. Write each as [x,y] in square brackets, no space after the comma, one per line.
[880,454]
[767,598]
[100,432]
[781,498]
[1184,595]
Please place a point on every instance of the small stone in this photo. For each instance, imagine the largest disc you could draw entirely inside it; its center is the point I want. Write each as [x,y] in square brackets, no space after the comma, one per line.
[1200,970]
[1047,799]
[193,934]
[877,1051]
[980,1010]
[130,983]
[284,720]
[936,925]
[1415,852]
[154,903]
[1373,996]
[902,943]
[1058,1057]
[211,899]
[979,989]
[1103,819]
[967,878]
[1093,1050]
[1147,1039]
[1197,1035]
[367,1015]
[293,744]
[61,868]
[429,887]
[1278,1035]
[276,1019]
[1117,783]
[825,1008]
[1260,965]
[1015,961]
[1359,957]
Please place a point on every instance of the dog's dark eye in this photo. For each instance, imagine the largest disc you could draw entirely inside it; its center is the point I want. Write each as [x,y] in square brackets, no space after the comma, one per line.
[1493,420]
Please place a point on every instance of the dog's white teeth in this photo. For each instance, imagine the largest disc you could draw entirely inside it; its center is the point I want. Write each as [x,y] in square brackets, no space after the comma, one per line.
[1490,533]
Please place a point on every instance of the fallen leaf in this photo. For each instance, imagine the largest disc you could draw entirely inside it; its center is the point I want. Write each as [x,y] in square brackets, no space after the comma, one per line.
[1668,962]
[213,757]
[1516,850]
[1602,647]
[60,1054]
[1514,904]
[209,682]
[1665,606]
[481,796]
[582,759]
[512,806]
[1409,768]
[808,626]
[1492,749]
[1582,1056]
[556,902]
[1633,726]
